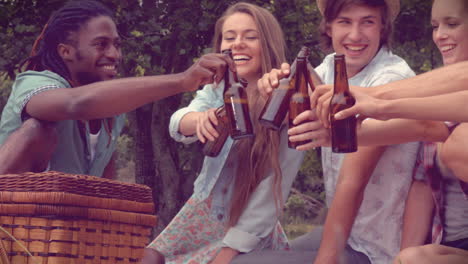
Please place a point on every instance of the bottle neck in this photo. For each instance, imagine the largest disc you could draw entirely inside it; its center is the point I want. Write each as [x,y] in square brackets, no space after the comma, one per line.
[301,76]
[312,77]
[230,78]
[292,70]
[341,78]
[299,69]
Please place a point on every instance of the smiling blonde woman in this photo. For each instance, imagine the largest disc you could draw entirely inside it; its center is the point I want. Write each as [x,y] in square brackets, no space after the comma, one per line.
[239,194]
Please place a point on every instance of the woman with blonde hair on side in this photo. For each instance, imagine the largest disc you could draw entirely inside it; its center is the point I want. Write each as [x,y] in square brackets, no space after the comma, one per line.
[239,194]
[445,163]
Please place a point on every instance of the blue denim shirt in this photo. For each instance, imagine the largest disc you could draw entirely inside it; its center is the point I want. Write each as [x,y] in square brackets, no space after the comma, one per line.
[260,215]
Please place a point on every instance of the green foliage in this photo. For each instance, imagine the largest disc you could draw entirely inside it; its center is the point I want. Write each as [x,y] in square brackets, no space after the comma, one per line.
[306,201]
[20,23]
[294,230]
[5,88]
[309,180]
[153,28]
[413,36]
[295,209]
[299,20]
[125,145]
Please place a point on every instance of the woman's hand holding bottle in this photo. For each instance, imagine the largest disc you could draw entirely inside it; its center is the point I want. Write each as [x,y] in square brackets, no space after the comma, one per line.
[206,122]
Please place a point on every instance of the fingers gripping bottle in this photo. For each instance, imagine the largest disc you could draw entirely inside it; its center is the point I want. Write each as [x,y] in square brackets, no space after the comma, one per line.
[213,148]
[300,100]
[229,121]
[236,104]
[277,105]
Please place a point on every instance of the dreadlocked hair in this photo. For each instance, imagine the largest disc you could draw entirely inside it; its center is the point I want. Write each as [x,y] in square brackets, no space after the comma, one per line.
[70,18]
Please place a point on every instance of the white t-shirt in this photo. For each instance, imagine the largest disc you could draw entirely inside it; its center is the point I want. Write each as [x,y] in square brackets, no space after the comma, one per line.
[377,228]
[93,139]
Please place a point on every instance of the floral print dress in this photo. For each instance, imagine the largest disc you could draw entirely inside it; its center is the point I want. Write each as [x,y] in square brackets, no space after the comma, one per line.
[195,236]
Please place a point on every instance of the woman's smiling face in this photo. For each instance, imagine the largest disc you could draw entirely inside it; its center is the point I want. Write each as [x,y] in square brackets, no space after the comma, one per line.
[450,29]
[241,35]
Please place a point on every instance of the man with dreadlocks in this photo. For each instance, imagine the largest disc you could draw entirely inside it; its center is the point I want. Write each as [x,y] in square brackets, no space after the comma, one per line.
[64,112]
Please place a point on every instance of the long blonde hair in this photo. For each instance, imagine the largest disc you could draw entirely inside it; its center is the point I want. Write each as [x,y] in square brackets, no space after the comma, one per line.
[263,149]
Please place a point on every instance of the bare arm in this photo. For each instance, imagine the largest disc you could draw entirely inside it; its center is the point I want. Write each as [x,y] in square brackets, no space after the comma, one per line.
[398,131]
[354,175]
[109,98]
[201,123]
[432,254]
[447,79]
[442,91]
[450,106]
[29,148]
[371,132]
[454,153]
[188,124]
[225,255]
[417,218]
[110,171]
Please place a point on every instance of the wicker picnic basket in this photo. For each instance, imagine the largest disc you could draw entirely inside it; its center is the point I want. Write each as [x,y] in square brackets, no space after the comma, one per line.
[57,218]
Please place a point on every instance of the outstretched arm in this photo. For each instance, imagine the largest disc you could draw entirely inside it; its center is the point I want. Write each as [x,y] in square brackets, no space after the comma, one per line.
[442,107]
[451,106]
[373,132]
[370,132]
[436,95]
[109,98]
[447,79]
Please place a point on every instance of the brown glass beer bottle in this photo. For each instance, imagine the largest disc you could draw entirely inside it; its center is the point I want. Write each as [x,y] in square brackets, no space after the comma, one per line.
[237,105]
[343,132]
[212,148]
[300,101]
[277,105]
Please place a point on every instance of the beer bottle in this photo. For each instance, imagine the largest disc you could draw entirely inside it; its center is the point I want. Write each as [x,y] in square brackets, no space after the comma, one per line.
[277,105]
[343,132]
[300,101]
[237,105]
[212,148]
